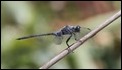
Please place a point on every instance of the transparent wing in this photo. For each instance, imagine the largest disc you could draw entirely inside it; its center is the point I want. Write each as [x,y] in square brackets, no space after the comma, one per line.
[58,39]
[83,32]
[77,36]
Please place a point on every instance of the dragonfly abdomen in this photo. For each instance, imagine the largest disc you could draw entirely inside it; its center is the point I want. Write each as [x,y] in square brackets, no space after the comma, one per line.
[31,36]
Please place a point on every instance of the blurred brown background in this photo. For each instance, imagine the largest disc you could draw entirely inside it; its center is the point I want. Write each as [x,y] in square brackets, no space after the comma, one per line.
[22,18]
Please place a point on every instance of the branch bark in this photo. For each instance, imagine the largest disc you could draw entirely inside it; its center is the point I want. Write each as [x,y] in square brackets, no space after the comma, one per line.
[66,51]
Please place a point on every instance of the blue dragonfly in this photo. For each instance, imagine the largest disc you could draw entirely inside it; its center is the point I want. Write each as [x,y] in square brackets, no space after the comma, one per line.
[76,31]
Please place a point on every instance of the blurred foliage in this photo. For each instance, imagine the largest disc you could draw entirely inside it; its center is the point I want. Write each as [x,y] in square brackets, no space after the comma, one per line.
[21,18]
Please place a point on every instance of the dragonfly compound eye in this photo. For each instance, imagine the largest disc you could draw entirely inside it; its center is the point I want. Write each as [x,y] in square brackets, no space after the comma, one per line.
[77,29]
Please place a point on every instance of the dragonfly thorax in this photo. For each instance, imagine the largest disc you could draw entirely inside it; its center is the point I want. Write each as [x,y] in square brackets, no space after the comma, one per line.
[67,30]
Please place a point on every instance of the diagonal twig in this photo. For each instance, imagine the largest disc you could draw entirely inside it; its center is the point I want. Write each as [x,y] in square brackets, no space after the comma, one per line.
[65,52]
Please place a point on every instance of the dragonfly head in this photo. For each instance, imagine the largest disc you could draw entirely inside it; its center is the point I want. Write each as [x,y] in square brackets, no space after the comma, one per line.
[77,28]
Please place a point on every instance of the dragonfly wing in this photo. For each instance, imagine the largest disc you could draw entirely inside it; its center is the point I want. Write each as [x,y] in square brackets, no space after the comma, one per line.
[76,36]
[83,32]
[58,40]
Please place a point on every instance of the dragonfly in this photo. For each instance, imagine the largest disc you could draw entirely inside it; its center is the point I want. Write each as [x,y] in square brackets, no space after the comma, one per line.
[76,31]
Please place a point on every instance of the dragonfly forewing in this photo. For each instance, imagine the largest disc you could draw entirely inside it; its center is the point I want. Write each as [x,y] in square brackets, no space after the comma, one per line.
[76,36]
[83,32]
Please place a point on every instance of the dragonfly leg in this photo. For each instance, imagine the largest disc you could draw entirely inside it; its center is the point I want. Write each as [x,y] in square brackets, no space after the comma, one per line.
[69,50]
[68,40]
[75,36]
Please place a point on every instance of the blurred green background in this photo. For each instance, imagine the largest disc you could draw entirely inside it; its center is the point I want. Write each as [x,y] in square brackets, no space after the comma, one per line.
[22,18]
